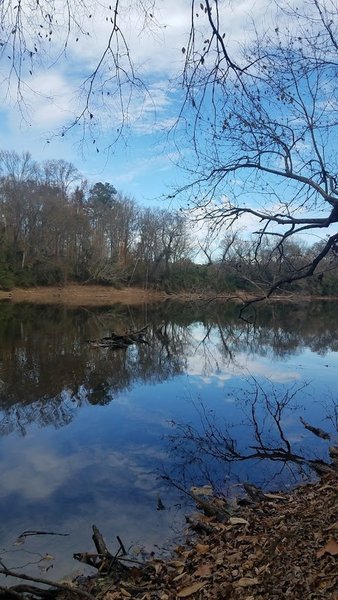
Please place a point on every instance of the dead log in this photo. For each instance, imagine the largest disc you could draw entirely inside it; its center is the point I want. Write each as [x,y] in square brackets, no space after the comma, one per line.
[100,544]
[321,467]
[120,341]
[103,560]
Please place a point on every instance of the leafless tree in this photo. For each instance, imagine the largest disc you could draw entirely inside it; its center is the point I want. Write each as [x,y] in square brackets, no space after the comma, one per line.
[60,174]
[259,118]
[36,34]
[264,131]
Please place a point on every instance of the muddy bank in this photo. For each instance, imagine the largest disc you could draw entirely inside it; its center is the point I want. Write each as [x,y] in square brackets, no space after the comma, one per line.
[96,295]
[80,295]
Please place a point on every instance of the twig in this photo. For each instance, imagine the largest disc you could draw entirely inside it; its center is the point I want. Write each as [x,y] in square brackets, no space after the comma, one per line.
[123,550]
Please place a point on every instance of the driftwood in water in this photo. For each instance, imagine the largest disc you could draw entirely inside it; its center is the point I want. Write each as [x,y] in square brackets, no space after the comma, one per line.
[121,341]
[103,560]
[20,591]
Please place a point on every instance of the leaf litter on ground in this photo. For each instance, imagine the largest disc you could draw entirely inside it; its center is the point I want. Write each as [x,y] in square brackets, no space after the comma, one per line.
[285,546]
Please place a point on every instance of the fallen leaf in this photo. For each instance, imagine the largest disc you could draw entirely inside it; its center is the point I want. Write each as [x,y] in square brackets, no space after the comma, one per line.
[179,577]
[330,548]
[235,557]
[246,582]
[189,590]
[158,566]
[202,548]
[176,563]
[203,570]
[204,490]
[238,521]
[47,557]
[274,496]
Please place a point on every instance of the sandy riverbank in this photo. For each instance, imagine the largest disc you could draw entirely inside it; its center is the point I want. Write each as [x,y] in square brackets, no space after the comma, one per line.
[96,295]
[80,295]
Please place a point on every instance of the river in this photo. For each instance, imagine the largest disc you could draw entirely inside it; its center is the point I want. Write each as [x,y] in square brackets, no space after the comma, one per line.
[88,432]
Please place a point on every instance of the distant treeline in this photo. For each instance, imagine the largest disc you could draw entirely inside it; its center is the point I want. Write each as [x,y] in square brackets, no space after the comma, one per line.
[55,228]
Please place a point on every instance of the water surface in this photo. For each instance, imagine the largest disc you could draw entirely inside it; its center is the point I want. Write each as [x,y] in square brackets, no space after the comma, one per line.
[85,432]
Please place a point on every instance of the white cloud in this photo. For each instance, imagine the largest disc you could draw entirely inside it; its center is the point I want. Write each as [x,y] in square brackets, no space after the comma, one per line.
[210,365]
[53,97]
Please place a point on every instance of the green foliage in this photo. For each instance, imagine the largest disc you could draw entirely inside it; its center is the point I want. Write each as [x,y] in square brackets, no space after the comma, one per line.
[6,279]
[102,194]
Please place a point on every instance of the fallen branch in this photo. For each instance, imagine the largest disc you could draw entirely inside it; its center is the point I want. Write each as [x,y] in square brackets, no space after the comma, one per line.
[103,561]
[60,586]
[30,532]
[122,341]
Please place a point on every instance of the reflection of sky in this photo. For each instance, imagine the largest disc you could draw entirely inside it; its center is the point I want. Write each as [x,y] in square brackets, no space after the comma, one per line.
[100,468]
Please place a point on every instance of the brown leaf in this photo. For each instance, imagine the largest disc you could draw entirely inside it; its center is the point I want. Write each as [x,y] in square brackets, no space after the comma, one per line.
[238,521]
[204,490]
[189,590]
[203,570]
[330,548]
[246,582]
[179,577]
[274,496]
[202,548]
[176,563]
[158,566]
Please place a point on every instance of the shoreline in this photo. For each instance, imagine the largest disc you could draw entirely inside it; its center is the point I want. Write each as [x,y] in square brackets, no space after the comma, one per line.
[98,295]
[281,545]
[80,295]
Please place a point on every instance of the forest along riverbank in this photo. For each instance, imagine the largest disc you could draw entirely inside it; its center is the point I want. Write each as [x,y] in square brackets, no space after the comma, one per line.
[262,547]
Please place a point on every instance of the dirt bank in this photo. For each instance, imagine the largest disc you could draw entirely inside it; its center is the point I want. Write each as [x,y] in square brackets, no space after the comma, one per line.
[81,295]
[96,295]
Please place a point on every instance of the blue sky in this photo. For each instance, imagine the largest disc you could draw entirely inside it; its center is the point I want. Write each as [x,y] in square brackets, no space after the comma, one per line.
[142,164]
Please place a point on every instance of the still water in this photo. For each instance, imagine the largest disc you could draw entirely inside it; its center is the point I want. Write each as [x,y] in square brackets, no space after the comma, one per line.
[86,432]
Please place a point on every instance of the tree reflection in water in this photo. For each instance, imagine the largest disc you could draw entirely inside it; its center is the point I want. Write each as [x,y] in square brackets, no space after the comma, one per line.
[211,450]
[48,371]
[117,404]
